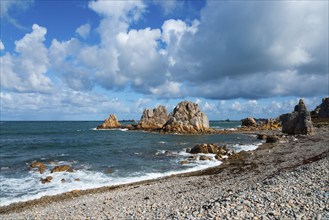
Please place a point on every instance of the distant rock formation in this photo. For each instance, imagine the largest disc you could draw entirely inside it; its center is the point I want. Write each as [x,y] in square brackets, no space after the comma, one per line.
[322,110]
[249,122]
[153,118]
[110,122]
[297,122]
[187,118]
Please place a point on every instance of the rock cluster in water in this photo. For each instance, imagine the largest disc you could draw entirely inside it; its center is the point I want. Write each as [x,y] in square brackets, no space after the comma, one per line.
[297,122]
[186,118]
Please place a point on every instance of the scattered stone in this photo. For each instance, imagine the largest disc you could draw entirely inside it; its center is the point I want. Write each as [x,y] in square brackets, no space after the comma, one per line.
[63,180]
[77,179]
[184,162]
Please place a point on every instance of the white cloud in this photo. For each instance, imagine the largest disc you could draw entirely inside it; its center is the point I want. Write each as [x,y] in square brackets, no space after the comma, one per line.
[169,6]
[2,46]
[122,10]
[26,71]
[7,7]
[83,30]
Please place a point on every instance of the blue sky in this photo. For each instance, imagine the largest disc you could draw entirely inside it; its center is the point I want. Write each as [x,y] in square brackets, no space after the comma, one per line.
[82,60]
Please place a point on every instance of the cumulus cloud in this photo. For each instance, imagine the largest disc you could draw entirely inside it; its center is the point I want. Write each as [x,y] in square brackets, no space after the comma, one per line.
[26,71]
[83,30]
[239,53]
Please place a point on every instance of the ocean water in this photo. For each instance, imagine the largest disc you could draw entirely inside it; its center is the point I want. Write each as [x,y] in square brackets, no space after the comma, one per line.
[99,157]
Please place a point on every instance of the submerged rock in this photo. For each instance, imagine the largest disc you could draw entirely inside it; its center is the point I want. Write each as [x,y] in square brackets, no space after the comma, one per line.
[297,122]
[62,168]
[110,122]
[153,119]
[187,118]
[41,166]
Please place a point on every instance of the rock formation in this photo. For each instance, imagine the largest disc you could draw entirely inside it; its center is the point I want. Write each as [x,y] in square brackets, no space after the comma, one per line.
[187,118]
[322,110]
[249,122]
[110,122]
[297,122]
[204,149]
[153,118]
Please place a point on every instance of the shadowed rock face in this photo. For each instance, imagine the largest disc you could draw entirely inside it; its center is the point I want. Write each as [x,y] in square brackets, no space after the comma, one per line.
[297,122]
[322,111]
[110,122]
[153,119]
[248,122]
[187,118]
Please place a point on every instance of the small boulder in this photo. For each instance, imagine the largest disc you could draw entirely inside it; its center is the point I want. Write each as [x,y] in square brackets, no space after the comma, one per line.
[203,157]
[46,180]
[62,168]
[271,139]
[39,165]
[184,162]
[261,136]
[204,149]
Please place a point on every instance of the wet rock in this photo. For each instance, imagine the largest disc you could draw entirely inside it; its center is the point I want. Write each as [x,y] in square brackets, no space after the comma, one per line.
[204,149]
[153,118]
[261,136]
[203,157]
[76,179]
[297,122]
[39,165]
[187,118]
[62,168]
[46,180]
[110,122]
[63,180]
[184,162]
[249,122]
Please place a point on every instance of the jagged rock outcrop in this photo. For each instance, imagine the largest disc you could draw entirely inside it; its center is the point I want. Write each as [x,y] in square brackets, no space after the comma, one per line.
[249,122]
[110,122]
[297,122]
[204,149]
[153,118]
[322,110]
[187,118]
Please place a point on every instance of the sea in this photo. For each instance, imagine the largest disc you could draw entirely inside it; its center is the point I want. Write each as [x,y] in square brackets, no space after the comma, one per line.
[98,157]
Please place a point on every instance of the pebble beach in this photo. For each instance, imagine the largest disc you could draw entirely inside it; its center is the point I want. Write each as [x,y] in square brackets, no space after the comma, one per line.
[284,180]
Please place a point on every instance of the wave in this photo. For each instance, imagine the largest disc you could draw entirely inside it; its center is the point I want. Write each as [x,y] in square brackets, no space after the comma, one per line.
[110,129]
[29,187]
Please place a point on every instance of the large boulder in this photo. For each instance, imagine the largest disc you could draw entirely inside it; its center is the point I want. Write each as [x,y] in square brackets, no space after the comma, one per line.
[249,122]
[322,110]
[297,122]
[110,122]
[187,118]
[153,118]
[39,165]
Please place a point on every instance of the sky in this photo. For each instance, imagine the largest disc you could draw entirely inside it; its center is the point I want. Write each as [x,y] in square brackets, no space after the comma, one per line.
[82,60]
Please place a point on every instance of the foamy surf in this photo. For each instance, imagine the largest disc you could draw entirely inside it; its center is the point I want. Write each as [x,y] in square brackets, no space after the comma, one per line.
[78,180]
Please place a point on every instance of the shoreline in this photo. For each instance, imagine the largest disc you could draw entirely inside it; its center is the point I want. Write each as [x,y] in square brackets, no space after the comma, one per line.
[266,161]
